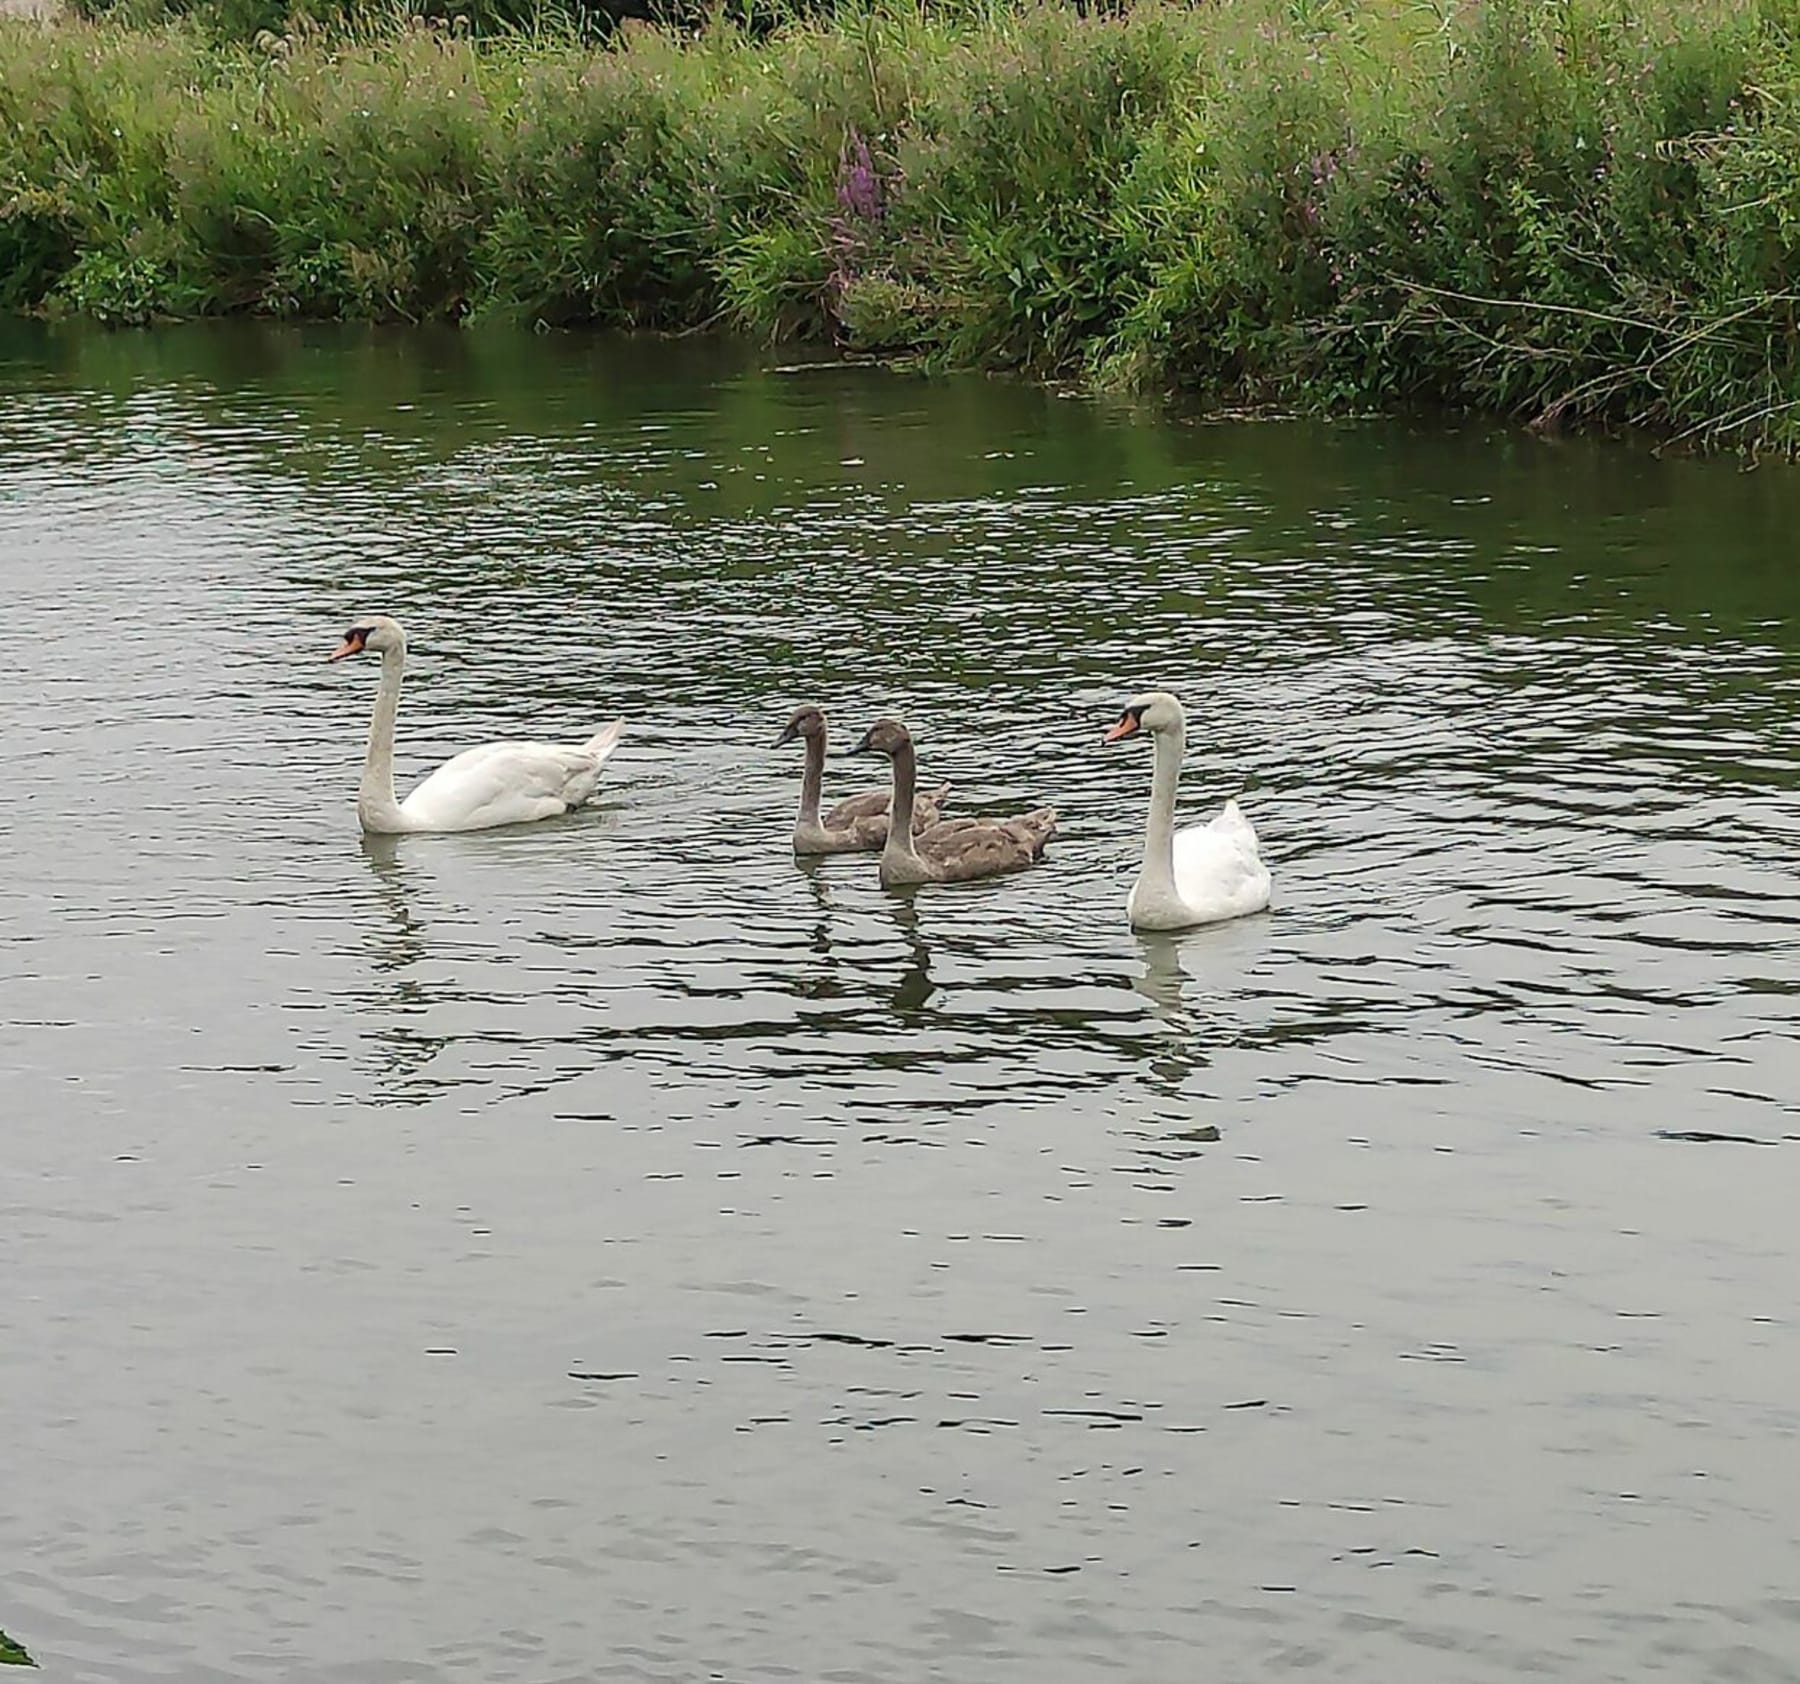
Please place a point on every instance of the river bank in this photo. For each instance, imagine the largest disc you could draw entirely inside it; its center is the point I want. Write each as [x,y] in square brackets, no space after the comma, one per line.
[1583,212]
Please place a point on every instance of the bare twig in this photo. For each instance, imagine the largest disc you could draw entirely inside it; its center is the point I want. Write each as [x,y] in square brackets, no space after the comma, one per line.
[1717,424]
[1528,306]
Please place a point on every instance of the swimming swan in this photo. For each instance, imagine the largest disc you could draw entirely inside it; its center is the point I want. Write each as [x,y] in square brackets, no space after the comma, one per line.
[853,826]
[498,783]
[953,850]
[1205,873]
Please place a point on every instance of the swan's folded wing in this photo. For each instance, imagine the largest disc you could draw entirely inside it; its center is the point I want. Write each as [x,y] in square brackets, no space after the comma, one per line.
[872,804]
[505,783]
[1218,870]
[939,835]
[928,807]
[969,848]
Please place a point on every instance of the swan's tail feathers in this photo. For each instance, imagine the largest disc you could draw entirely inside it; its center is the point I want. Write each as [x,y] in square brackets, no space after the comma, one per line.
[605,740]
[1233,817]
[927,811]
[1039,827]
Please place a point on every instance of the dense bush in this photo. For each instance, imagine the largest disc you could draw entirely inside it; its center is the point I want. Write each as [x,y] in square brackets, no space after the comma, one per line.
[1579,208]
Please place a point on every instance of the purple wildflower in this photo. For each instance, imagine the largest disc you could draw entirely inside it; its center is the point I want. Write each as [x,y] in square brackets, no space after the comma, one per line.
[858,187]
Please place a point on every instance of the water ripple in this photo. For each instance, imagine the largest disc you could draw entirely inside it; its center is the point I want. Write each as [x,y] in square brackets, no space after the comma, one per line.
[616,1249]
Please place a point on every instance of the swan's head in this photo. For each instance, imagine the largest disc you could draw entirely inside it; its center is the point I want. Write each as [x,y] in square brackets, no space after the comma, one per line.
[885,736]
[1154,711]
[372,631]
[807,722]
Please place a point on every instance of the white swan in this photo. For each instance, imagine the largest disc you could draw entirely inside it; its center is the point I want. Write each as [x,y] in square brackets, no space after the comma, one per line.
[498,783]
[1205,873]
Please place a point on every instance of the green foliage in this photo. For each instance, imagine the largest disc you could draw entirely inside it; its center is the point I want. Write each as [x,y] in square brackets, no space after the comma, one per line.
[13,1654]
[1582,209]
[243,21]
[595,188]
[37,244]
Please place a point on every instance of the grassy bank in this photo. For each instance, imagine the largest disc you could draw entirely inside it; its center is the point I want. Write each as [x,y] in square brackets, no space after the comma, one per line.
[1560,209]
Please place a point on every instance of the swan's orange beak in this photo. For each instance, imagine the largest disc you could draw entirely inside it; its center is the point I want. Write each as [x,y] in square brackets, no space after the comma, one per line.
[350,646]
[1128,723]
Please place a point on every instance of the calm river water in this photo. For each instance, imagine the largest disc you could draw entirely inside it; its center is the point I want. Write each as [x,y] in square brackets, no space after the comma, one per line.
[612,1251]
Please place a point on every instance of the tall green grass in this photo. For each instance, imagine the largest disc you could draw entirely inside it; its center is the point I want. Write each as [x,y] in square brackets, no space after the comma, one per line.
[1560,209]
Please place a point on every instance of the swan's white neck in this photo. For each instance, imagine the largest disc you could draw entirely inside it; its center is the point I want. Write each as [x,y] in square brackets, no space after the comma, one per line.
[1157,874]
[375,803]
[899,844]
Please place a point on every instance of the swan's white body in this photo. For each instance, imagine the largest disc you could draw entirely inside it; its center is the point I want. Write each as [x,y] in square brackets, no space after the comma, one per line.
[496,784]
[1205,873]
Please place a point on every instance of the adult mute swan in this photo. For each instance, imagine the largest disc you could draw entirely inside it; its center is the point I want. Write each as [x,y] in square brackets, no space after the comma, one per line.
[953,850]
[853,826]
[498,783]
[1205,873]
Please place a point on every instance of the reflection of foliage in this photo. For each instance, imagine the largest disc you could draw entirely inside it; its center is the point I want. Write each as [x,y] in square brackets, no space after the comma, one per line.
[484,437]
[13,1654]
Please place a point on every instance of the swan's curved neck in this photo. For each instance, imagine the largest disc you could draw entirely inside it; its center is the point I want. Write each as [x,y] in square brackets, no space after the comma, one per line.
[899,843]
[375,802]
[1159,832]
[814,780]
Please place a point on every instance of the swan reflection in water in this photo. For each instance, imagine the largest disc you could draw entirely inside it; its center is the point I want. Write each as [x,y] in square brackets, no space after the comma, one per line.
[1164,979]
[1180,1050]
[402,942]
[394,946]
[914,987]
[1209,1000]
[819,980]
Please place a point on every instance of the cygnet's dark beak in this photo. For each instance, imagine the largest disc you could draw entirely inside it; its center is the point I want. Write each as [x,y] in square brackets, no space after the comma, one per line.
[865,743]
[788,733]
